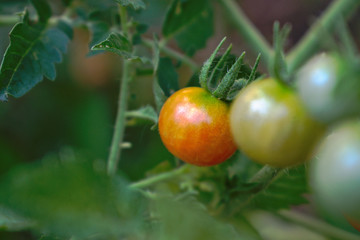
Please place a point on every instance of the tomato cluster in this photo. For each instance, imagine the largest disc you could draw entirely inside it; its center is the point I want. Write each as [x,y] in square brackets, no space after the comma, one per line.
[281,126]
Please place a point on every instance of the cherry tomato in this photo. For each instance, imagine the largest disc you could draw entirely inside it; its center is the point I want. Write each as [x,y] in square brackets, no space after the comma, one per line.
[194,126]
[335,170]
[329,85]
[271,126]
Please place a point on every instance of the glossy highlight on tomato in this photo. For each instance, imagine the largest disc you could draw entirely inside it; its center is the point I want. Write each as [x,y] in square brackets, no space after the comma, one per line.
[194,127]
[271,126]
[328,84]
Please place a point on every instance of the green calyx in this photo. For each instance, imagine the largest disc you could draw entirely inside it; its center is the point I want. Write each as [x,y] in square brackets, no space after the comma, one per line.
[224,76]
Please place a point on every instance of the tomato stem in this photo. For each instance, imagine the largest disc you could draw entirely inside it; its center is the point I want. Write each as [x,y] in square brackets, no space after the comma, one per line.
[159,177]
[115,149]
[309,43]
[253,37]
[120,122]
[7,20]
[174,54]
[265,175]
[317,225]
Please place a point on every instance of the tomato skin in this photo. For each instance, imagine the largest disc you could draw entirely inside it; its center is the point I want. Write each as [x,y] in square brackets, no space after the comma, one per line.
[335,171]
[271,126]
[328,84]
[194,127]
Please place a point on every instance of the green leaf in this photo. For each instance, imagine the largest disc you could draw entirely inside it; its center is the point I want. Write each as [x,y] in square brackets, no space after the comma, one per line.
[99,32]
[115,43]
[286,191]
[188,219]
[136,4]
[167,76]
[13,222]
[32,54]
[120,45]
[191,22]
[72,198]
[43,10]
[147,113]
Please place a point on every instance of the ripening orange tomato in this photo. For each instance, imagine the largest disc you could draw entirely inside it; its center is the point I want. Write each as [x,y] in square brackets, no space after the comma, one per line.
[194,126]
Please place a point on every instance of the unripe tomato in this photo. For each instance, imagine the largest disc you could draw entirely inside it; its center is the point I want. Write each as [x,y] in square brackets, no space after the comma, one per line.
[335,171]
[194,126]
[329,86]
[271,126]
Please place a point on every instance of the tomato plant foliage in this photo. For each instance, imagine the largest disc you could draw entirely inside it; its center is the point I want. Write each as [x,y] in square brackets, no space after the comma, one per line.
[72,192]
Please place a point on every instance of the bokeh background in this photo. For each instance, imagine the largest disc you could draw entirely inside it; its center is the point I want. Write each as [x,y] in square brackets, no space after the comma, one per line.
[76,112]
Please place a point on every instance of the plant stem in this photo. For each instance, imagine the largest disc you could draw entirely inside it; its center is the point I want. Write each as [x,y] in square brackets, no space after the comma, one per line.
[318,226]
[159,177]
[265,175]
[309,43]
[176,55]
[115,149]
[252,36]
[123,20]
[8,20]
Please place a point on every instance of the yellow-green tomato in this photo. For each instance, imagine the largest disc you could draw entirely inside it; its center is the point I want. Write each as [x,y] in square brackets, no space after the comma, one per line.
[270,125]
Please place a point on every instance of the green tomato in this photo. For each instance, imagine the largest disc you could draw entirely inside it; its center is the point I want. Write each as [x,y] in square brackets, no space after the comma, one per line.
[335,170]
[271,126]
[329,86]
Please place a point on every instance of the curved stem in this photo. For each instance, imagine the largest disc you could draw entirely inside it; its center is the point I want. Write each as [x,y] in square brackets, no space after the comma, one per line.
[252,36]
[8,20]
[309,43]
[317,225]
[176,55]
[115,149]
[265,175]
[159,177]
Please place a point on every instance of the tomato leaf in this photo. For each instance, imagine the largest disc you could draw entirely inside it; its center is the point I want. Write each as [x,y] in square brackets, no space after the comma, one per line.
[99,32]
[187,218]
[120,45]
[33,51]
[190,22]
[146,113]
[287,190]
[167,76]
[115,43]
[43,10]
[136,4]
[71,198]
